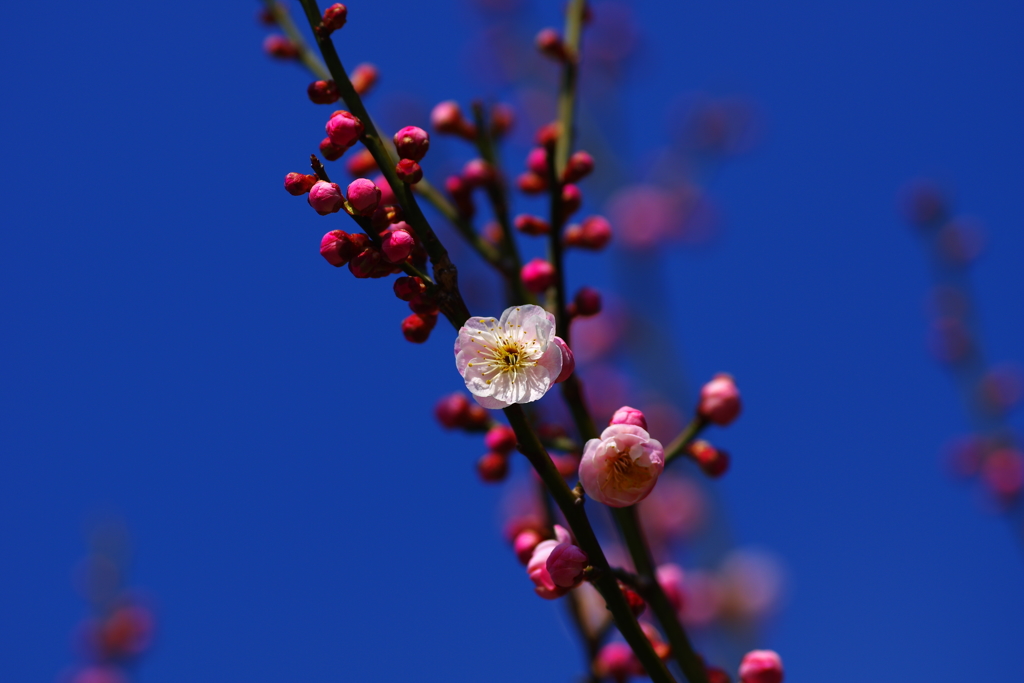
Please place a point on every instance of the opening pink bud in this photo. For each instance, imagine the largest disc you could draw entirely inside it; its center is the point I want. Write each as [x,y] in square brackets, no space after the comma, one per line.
[572,199]
[363,196]
[550,44]
[397,245]
[336,248]
[334,18]
[362,163]
[532,225]
[364,77]
[622,466]
[580,166]
[279,47]
[344,129]
[492,468]
[538,275]
[407,287]
[325,197]
[568,360]
[478,173]
[565,565]
[524,544]
[713,461]
[500,439]
[322,92]
[537,569]
[408,171]
[412,143]
[629,416]
[298,183]
[416,328]
[330,151]
[588,303]
[447,118]
[761,666]
[720,400]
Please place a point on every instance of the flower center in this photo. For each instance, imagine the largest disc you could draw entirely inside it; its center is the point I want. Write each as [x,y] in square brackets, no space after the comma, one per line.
[624,473]
[509,352]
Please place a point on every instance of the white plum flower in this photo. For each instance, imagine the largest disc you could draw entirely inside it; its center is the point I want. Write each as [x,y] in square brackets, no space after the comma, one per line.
[514,359]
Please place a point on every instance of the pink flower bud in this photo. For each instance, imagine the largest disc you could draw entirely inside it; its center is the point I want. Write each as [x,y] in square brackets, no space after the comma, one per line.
[531,183]
[616,661]
[565,565]
[500,439]
[344,129]
[447,118]
[407,287]
[325,197]
[417,328]
[580,165]
[761,666]
[322,92]
[662,649]
[547,135]
[363,196]
[362,163]
[670,578]
[478,418]
[1003,472]
[396,245]
[387,195]
[629,416]
[588,302]
[279,47]
[298,183]
[408,171]
[330,151]
[537,567]
[720,400]
[594,233]
[412,143]
[334,18]
[336,248]
[537,161]
[568,360]
[524,544]
[502,118]
[452,411]
[713,461]
[572,198]
[550,44]
[532,225]
[538,275]
[363,77]
[492,468]
[622,466]
[717,675]
[478,173]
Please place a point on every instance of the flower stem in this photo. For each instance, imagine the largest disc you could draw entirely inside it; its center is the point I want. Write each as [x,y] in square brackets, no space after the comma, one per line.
[445,273]
[482,247]
[573,510]
[682,651]
[685,438]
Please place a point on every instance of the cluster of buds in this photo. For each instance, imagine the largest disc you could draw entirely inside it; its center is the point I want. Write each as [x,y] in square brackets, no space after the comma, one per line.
[412,144]
[617,661]
[343,131]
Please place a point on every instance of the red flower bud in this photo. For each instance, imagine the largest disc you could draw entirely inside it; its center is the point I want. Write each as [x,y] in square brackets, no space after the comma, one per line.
[531,183]
[336,247]
[362,163]
[409,171]
[532,225]
[322,92]
[279,47]
[550,44]
[713,461]
[580,166]
[416,328]
[298,183]
[588,302]
[363,77]
[492,468]
[330,151]
[407,287]
[334,18]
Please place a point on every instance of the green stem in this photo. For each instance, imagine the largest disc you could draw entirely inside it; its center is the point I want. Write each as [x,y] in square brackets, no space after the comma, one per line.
[482,247]
[682,651]
[445,273]
[685,438]
[573,510]
[306,56]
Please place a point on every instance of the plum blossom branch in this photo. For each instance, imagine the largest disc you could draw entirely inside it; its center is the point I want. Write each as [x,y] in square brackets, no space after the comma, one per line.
[685,438]
[284,19]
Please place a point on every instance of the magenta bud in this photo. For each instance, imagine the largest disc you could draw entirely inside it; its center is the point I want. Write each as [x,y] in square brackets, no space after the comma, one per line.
[279,47]
[720,400]
[364,77]
[298,183]
[330,151]
[580,166]
[566,564]
[336,248]
[550,44]
[538,275]
[587,302]
[547,135]
[492,468]
[322,92]
[412,143]
[407,287]
[363,196]
[629,416]
[344,129]
[396,245]
[446,118]
[568,360]
[500,439]
[524,544]
[537,161]
[761,666]
[572,198]
[325,197]
[408,171]
[616,661]
[532,225]
[452,411]
[477,173]
[672,581]
[531,183]
[334,18]
[417,328]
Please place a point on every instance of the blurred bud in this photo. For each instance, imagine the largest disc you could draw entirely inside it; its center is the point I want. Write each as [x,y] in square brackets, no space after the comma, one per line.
[550,44]
[298,183]
[502,119]
[717,675]
[761,666]
[713,461]
[580,165]
[720,400]
[446,118]
[452,411]
[1001,388]
[636,603]
[478,173]
[325,197]
[960,242]
[531,183]
[500,439]
[949,340]
[537,161]
[364,77]
[547,135]
[492,468]
[594,233]
[587,302]
[532,225]
[322,92]
[660,647]
[670,577]
[524,544]
[616,661]
[362,163]
[538,275]
[279,47]
[1003,472]
[925,204]
[572,199]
